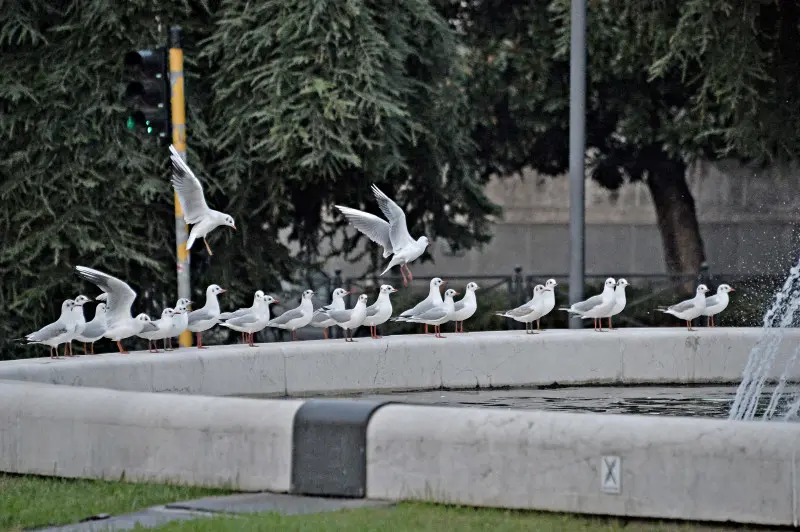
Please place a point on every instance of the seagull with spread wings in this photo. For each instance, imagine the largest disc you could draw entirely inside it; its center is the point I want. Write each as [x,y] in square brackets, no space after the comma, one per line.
[193,202]
[392,235]
[120,324]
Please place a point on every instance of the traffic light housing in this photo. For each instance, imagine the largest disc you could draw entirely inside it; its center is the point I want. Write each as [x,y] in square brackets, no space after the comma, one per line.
[147,94]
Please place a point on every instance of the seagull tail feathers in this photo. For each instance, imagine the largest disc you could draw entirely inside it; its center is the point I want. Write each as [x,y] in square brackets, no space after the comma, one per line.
[190,241]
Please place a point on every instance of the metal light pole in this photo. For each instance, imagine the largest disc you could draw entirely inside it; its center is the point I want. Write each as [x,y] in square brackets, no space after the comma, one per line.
[577,151]
[179,141]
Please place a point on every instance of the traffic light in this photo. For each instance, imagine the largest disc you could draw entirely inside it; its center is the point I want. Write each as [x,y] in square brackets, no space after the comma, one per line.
[148,93]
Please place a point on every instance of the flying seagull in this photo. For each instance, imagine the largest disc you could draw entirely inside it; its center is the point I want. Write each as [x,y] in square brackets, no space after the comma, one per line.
[193,202]
[392,235]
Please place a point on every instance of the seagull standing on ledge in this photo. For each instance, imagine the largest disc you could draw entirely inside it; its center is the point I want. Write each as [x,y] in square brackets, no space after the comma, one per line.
[464,309]
[350,319]
[437,315]
[393,235]
[296,318]
[717,303]
[596,307]
[58,332]
[434,298]
[120,324]
[689,309]
[530,311]
[321,318]
[193,202]
[379,312]
[206,317]
[619,300]
[94,329]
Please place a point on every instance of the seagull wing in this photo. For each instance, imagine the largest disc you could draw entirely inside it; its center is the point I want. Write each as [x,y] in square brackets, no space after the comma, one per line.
[376,229]
[287,316]
[712,300]
[683,306]
[589,304]
[340,315]
[372,310]
[201,314]
[120,296]
[397,220]
[47,332]
[189,189]
[241,321]
[435,313]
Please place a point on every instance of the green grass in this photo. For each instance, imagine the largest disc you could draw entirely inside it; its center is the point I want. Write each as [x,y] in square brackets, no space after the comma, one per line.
[417,517]
[30,501]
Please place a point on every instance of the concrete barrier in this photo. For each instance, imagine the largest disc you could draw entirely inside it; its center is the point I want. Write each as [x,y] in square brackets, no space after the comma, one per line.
[108,434]
[681,468]
[417,362]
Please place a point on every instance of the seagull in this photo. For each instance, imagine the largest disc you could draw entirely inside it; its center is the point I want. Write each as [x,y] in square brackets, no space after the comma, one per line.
[257,300]
[379,312]
[297,317]
[548,300]
[79,320]
[596,307]
[180,321]
[689,309]
[321,318]
[434,298]
[465,308]
[94,329]
[193,202]
[58,332]
[350,319]
[436,315]
[206,317]
[164,329]
[119,322]
[717,303]
[253,321]
[619,300]
[393,235]
[530,311]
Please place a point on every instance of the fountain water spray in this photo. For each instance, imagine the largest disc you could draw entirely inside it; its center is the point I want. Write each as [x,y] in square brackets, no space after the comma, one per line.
[759,365]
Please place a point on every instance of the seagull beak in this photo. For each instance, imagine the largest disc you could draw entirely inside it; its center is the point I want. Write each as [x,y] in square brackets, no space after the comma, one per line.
[222,290]
[731,290]
[458,293]
[233,227]
[394,290]
[276,300]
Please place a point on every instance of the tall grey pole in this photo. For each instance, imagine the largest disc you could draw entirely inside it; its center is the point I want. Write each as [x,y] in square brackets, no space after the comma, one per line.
[577,151]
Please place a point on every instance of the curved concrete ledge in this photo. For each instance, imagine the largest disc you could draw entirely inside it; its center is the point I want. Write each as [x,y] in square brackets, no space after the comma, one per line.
[417,362]
[108,434]
[681,468]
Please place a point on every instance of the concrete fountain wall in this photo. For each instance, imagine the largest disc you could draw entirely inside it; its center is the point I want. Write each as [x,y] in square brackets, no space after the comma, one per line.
[108,423]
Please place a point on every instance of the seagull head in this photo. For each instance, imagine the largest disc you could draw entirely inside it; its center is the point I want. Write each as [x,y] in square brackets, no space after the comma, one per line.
[308,294]
[143,317]
[100,308]
[269,300]
[362,298]
[341,292]
[180,308]
[622,283]
[724,288]
[436,282]
[259,294]
[551,284]
[68,304]
[388,289]
[423,241]
[81,300]
[538,289]
[167,313]
[228,220]
[471,287]
[610,282]
[702,289]
[450,293]
[215,290]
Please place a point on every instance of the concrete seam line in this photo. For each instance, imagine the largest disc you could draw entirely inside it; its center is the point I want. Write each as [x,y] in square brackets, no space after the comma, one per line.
[795,520]
[329,445]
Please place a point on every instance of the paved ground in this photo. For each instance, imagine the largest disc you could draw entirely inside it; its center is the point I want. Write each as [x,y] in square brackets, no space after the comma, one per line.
[247,503]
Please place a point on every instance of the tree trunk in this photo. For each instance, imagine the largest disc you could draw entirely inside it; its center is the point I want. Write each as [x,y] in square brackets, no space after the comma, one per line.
[677,219]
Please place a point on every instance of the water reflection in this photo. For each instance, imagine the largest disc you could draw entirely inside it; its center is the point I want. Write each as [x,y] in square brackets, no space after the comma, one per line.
[703,401]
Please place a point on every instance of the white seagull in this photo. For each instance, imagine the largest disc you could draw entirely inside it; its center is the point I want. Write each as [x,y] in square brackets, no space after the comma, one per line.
[58,332]
[296,318]
[253,321]
[548,300]
[94,329]
[321,318]
[530,311]
[180,321]
[120,324]
[206,317]
[619,300]
[164,325]
[717,303]
[379,312]
[352,318]
[436,315]
[464,309]
[596,307]
[434,298]
[79,320]
[258,298]
[193,202]
[689,309]
[393,235]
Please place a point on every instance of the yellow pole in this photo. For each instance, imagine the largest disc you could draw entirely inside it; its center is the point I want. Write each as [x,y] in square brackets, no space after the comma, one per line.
[178,106]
